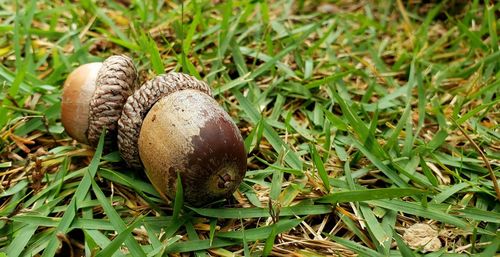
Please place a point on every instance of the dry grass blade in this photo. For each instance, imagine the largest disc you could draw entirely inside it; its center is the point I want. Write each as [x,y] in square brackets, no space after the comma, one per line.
[486,161]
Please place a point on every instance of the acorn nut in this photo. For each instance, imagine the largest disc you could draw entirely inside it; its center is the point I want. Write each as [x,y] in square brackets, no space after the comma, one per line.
[172,125]
[93,98]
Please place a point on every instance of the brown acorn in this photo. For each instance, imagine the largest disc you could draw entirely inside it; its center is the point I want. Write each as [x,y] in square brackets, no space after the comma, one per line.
[172,125]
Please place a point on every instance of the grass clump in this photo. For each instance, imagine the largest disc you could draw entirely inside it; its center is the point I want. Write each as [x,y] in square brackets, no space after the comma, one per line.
[360,120]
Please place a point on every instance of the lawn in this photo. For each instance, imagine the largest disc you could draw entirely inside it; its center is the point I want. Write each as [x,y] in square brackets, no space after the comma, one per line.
[368,125]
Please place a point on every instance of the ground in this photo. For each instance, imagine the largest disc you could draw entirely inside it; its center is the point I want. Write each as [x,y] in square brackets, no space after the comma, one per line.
[372,128]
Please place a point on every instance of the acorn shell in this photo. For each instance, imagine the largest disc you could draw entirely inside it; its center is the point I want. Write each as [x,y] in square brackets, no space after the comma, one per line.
[188,133]
[78,90]
[93,98]
[138,105]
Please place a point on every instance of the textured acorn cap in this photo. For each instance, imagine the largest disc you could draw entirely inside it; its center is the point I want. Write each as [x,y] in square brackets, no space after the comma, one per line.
[138,105]
[116,81]
[187,132]
[93,98]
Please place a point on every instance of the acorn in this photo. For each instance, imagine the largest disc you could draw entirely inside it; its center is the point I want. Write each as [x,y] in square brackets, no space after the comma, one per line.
[172,125]
[93,97]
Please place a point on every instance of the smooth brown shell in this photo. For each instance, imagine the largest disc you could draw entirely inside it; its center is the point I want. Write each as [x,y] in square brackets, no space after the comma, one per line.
[138,105]
[188,133]
[93,98]
[78,90]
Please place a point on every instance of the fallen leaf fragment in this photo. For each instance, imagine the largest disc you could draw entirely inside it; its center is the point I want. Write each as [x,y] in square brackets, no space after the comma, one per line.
[422,236]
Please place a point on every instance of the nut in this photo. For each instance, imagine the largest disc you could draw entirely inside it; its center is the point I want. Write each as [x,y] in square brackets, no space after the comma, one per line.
[172,125]
[138,105]
[93,98]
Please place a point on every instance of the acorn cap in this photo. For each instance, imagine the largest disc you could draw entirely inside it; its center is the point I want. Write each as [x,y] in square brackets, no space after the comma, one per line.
[138,105]
[116,81]
[93,98]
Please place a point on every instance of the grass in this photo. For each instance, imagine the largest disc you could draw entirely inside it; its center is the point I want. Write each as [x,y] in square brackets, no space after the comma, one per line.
[359,119]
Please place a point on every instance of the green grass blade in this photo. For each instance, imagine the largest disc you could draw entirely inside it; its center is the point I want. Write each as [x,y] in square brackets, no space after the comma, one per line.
[318,163]
[118,241]
[115,219]
[80,193]
[236,213]
[362,250]
[369,194]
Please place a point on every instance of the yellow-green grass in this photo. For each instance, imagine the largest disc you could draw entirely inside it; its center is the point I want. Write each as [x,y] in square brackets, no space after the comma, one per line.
[360,119]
